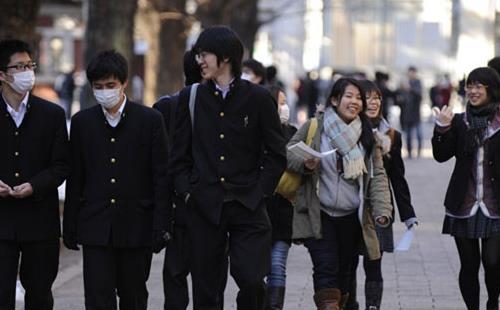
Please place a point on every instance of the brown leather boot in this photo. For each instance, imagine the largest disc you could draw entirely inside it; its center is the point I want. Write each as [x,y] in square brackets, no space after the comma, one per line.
[327,299]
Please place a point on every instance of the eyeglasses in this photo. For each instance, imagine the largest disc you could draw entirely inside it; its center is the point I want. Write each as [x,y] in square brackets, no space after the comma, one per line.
[23,66]
[376,97]
[476,86]
[201,56]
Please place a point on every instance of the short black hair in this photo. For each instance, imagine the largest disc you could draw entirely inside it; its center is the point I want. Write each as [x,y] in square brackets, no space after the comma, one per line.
[107,64]
[192,71]
[489,78]
[495,64]
[10,47]
[271,72]
[257,68]
[412,68]
[224,43]
[381,76]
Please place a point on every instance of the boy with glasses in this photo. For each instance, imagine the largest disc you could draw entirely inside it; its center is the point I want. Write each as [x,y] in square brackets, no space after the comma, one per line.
[33,163]
[220,171]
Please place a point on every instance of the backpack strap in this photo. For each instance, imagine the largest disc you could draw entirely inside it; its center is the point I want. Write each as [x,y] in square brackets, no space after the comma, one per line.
[192,101]
[312,130]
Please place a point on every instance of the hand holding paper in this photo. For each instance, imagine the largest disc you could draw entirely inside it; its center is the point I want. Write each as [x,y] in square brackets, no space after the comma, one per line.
[304,151]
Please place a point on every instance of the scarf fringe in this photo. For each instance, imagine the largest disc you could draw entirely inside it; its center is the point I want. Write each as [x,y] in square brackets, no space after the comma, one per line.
[354,167]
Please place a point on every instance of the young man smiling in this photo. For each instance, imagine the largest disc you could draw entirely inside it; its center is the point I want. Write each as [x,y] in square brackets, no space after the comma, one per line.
[33,163]
[117,197]
[220,170]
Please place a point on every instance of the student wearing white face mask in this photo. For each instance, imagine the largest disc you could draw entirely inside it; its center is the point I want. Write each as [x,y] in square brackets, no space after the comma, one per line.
[117,197]
[280,212]
[33,163]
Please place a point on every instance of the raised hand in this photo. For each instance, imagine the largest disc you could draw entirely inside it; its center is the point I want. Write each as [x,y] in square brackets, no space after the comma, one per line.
[443,116]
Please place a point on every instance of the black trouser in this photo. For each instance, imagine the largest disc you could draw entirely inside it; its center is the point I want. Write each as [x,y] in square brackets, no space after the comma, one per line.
[334,254]
[470,259]
[243,234]
[176,268]
[108,271]
[37,270]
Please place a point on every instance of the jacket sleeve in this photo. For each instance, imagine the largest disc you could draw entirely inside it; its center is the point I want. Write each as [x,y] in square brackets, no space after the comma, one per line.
[396,172]
[181,160]
[75,182]
[273,140]
[444,141]
[162,206]
[58,169]
[378,190]
[295,163]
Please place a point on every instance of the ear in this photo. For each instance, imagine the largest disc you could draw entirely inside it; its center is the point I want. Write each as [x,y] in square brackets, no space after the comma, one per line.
[125,84]
[334,102]
[4,77]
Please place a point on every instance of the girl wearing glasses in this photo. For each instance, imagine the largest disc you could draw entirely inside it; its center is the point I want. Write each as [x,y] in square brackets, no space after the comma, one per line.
[473,195]
[331,215]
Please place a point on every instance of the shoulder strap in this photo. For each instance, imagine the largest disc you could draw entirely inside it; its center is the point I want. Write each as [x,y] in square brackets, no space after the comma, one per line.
[312,130]
[192,101]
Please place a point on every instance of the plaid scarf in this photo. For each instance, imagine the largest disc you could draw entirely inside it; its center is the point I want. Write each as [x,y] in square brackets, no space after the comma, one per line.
[344,137]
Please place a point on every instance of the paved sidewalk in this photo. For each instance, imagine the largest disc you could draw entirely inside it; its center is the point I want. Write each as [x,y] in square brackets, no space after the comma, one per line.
[425,277]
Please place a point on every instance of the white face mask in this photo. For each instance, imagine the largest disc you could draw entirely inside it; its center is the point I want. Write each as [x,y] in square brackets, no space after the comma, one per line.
[284,113]
[23,81]
[246,76]
[107,98]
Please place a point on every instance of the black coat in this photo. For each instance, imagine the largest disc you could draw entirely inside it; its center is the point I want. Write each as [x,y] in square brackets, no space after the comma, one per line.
[117,192]
[223,157]
[36,152]
[395,168]
[280,209]
[452,144]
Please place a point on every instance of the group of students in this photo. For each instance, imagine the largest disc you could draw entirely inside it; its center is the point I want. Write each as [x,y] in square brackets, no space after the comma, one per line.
[197,174]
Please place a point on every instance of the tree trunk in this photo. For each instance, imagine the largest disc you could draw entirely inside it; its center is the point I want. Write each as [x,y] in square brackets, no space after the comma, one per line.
[18,20]
[168,27]
[109,26]
[240,15]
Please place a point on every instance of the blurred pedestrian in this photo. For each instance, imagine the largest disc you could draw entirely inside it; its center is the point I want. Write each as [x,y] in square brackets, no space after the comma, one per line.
[253,71]
[280,211]
[33,163]
[65,88]
[332,223]
[390,139]
[409,100]
[220,171]
[308,93]
[117,194]
[472,205]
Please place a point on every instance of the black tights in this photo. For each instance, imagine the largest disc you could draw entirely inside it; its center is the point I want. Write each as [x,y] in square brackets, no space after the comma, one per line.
[470,259]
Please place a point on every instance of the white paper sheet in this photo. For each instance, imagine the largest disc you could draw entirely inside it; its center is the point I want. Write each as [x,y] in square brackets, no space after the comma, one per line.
[405,242]
[306,152]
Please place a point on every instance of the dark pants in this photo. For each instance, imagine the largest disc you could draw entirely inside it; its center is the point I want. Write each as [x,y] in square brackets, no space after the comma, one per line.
[176,268]
[243,234]
[333,255]
[108,271]
[37,270]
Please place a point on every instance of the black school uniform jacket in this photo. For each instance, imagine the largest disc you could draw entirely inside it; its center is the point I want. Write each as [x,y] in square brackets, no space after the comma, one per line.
[117,191]
[36,152]
[221,157]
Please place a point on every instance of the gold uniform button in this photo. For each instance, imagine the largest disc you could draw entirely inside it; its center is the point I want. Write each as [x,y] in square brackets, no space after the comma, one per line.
[221,114]
[222,158]
[113,201]
[16,153]
[113,160]
[113,140]
[113,180]
[17,174]
[16,133]
[222,179]
[221,136]
[216,93]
